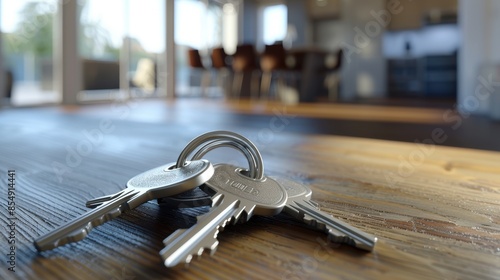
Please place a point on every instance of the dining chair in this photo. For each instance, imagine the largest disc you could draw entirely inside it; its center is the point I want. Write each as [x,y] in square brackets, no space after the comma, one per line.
[272,61]
[244,63]
[221,67]
[333,64]
[196,64]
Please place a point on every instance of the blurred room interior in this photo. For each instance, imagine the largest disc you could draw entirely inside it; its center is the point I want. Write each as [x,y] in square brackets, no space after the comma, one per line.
[382,69]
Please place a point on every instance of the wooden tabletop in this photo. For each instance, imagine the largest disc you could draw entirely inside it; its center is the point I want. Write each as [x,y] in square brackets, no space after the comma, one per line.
[435,210]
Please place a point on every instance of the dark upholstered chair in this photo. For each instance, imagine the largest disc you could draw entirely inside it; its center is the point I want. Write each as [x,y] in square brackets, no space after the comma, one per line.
[272,60]
[222,69]
[196,64]
[244,63]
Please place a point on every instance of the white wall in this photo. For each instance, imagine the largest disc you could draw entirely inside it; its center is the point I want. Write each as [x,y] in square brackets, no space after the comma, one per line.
[297,16]
[364,68]
[2,74]
[328,34]
[248,22]
[479,21]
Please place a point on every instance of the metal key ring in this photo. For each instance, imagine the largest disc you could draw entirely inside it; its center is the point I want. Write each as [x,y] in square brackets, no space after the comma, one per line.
[229,136]
[230,144]
[258,173]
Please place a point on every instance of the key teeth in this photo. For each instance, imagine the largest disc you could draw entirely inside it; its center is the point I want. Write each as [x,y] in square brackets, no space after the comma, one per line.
[198,254]
[210,243]
[171,263]
[81,233]
[334,235]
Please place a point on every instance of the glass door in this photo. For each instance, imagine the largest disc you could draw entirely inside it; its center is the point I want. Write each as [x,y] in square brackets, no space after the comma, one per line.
[274,23]
[27,45]
[122,46]
[198,25]
[146,39]
[100,39]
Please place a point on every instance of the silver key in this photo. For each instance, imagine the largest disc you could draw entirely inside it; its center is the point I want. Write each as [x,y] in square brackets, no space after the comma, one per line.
[295,192]
[155,183]
[196,197]
[213,140]
[300,206]
[236,199]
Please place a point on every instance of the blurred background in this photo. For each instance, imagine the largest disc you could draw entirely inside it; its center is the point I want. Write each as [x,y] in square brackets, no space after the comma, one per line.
[431,54]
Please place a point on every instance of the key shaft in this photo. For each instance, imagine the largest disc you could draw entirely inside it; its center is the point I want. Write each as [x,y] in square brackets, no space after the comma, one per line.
[338,231]
[79,228]
[301,207]
[152,184]
[236,198]
[183,244]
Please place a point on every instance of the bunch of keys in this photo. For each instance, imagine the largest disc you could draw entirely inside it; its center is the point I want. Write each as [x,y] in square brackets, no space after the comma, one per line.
[234,194]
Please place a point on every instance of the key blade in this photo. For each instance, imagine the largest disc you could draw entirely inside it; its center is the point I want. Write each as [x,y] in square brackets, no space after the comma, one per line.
[186,243]
[214,201]
[81,233]
[333,234]
[98,201]
[338,230]
[80,227]
[176,234]
[208,242]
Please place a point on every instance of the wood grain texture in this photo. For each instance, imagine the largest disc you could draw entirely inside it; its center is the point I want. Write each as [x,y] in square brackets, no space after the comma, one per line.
[436,210]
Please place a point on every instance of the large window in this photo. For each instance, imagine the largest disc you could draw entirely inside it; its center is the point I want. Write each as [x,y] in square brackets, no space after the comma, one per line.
[197,26]
[27,37]
[146,30]
[230,27]
[274,23]
[121,44]
[100,35]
